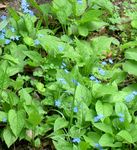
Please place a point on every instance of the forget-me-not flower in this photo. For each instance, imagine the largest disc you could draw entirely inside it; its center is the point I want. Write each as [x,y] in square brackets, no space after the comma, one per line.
[80,1]
[121,117]
[98,117]
[4,120]
[75,82]
[75,109]
[101,71]
[37,42]
[98,146]
[3,17]
[129,97]
[25,7]
[76,140]
[60,48]
[7,41]
[110,61]
[62,80]
[57,103]
[104,63]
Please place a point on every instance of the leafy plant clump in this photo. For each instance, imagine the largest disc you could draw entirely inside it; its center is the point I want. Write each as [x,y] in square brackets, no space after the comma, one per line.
[68,75]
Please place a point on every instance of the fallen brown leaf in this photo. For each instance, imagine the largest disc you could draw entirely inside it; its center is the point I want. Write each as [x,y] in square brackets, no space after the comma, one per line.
[2,6]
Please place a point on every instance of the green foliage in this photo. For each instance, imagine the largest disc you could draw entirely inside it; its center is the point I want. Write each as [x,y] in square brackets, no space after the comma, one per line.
[66,75]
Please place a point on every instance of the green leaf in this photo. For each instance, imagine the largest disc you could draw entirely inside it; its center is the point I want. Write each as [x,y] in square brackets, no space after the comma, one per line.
[131,54]
[134,24]
[13,13]
[9,137]
[29,41]
[60,123]
[16,121]
[122,108]
[104,127]
[106,109]
[130,66]
[125,135]
[3,24]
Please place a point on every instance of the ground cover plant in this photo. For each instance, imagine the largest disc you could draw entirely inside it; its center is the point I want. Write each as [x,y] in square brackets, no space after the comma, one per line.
[68,75]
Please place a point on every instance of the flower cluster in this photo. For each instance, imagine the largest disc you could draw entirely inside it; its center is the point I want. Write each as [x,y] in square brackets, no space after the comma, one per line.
[63,66]
[25,7]
[130,96]
[104,63]
[57,103]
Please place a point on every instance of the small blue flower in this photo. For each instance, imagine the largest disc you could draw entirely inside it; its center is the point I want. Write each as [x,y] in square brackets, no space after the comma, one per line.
[62,80]
[7,41]
[75,109]
[4,120]
[93,78]
[40,35]
[25,7]
[66,70]
[134,92]
[12,38]
[129,97]
[3,17]
[98,117]
[3,31]
[110,61]
[63,65]
[97,145]
[121,117]
[37,42]
[60,48]
[57,103]
[2,36]
[12,29]
[17,38]
[104,63]
[75,82]
[80,1]
[101,71]
[76,140]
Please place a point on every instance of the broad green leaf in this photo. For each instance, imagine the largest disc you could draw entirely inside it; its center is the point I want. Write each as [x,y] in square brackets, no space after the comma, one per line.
[106,109]
[16,121]
[130,66]
[80,8]
[29,41]
[34,118]
[60,123]
[134,24]
[3,115]
[131,54]
[13,13]
[108,141]
[104,127]
[9,137]
[125,135]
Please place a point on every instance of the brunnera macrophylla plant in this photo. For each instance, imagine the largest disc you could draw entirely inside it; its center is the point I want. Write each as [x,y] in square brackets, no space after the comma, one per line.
[61,86]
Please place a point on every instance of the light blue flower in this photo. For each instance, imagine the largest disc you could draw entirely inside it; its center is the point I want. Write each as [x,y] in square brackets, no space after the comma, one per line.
[4,120]
[37,42]
[75,109]
[80,1]
[7,41]
[129,97]
[12,38]
[3,17]
[104,63]
[75,82]
[101,71]
[62,80]
[60,48]
[110,61]
[3,31]
[25,7]
[66,71]
[57,103]
[76,140]
[98,117]
[63,65]
[40,35]
[2,36]
[12,29]
[98,146]
[93,78]
[121,117]
[134,92]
